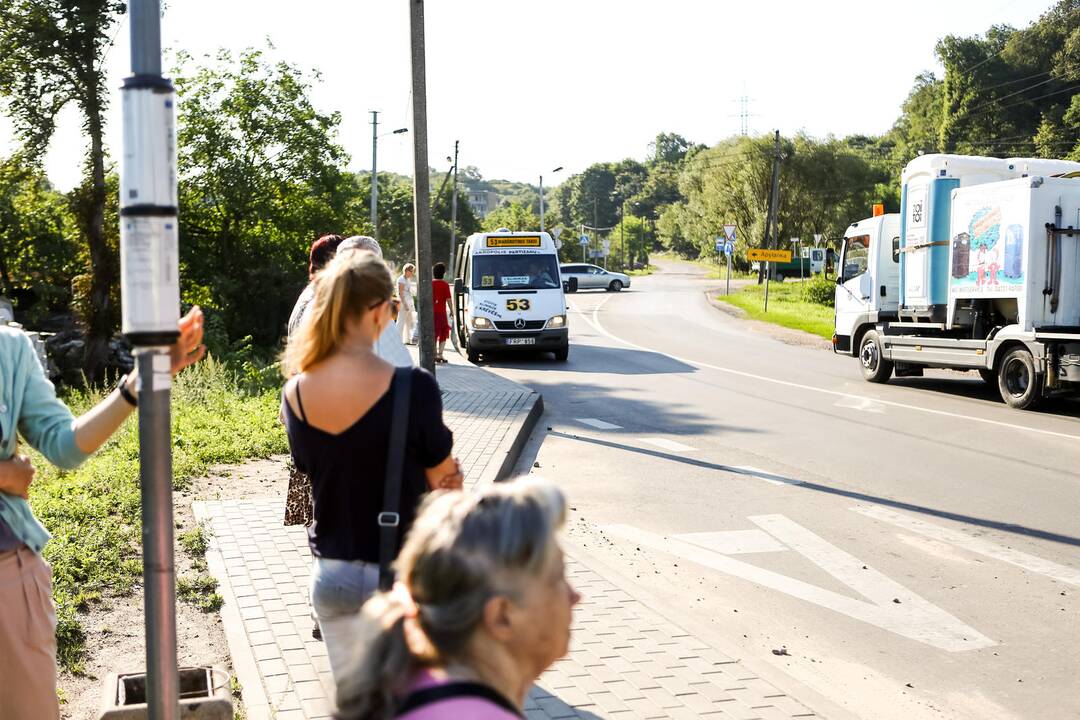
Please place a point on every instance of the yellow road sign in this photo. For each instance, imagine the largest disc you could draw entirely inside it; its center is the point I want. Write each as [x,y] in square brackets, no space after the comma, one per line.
[768,255]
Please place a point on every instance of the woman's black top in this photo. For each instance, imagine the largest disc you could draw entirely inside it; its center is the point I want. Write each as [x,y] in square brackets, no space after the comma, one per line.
[348,470]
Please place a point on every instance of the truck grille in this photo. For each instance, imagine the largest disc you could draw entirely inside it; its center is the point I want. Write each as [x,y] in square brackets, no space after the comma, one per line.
[509,325]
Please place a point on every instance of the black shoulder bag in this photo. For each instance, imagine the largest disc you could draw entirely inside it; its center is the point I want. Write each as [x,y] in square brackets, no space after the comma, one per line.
[389,518]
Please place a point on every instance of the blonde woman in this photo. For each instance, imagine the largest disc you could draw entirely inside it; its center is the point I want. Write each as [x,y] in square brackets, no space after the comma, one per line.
[482,607]
[339,407]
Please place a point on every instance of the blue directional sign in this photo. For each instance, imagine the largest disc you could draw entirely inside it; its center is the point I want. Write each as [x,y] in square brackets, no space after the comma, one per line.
[729,248]
[583,240]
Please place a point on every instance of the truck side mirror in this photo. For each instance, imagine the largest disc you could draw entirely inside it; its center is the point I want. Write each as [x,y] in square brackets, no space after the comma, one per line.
[459,287]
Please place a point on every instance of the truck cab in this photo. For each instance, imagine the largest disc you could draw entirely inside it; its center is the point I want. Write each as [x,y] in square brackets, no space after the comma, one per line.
[868,279]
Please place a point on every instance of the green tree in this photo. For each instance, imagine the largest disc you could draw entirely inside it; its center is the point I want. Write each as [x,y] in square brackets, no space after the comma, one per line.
[51,55]
[514,216]
[261,178]
[40,252]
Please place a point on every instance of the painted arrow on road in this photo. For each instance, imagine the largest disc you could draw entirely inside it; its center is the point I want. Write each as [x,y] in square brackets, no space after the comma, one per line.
[912,617]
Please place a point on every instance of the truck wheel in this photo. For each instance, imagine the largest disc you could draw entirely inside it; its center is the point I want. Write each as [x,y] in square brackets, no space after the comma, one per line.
[1018,382]
[875,368]
[779,277]
[563,353]
[615,286]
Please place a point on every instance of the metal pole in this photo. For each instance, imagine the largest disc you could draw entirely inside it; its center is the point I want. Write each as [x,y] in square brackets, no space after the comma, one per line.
[150,288]
[453,241]
[421,188]
[541,203]
[374,175]
[773,202]
[583,245]
[728,291]
[159,591]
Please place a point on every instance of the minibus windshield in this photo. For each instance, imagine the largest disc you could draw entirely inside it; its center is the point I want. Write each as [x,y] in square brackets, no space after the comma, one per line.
[515,272]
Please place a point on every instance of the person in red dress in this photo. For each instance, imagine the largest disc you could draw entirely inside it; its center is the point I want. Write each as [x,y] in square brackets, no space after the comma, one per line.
[440,297]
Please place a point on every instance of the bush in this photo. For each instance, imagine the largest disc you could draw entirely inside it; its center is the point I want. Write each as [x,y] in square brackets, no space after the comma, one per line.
[819,290]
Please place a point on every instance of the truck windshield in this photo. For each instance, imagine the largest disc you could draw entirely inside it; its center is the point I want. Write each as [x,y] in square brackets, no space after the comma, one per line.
[856,256]
[515,272]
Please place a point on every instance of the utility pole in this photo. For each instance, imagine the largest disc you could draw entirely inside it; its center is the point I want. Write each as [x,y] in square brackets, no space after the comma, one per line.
[595,216]
[542,197]
[622,234]
[150,290]
[374,175]
[774,198]
[453,243]
[421,188]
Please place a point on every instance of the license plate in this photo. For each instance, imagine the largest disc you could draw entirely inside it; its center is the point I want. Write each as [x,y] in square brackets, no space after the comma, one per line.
[521,341]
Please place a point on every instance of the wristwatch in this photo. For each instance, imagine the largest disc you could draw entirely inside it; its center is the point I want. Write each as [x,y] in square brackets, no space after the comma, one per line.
[125,393]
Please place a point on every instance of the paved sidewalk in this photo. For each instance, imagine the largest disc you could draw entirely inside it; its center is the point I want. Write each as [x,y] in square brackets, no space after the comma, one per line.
[626,661]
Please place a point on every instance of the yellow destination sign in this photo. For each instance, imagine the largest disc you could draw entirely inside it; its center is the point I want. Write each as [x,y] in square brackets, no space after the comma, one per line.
[769,255]
[506,242]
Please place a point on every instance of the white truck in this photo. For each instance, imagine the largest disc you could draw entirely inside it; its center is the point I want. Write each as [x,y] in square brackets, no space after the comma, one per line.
[980,270]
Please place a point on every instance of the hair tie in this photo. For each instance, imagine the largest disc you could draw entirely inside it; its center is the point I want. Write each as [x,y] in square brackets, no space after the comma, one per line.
[401,595]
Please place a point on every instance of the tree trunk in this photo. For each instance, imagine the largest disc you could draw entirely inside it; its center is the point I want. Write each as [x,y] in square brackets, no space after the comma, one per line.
[103,272]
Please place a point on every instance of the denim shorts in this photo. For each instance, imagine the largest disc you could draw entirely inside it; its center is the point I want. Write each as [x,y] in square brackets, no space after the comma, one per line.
[340,587]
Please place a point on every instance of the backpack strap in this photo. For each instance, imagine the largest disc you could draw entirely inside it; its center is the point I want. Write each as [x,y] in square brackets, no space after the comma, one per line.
[390,519]
[438,693]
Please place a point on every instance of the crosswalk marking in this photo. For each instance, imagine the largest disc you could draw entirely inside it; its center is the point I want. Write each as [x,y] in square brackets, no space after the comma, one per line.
[887,604]
[598,424]
[972,544]
[666,444]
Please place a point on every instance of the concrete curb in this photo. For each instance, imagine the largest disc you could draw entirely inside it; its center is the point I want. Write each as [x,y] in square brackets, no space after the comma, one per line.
[245,669]
[514,448]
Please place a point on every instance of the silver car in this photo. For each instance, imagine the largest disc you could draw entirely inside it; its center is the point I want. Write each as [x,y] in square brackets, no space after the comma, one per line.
[591,277]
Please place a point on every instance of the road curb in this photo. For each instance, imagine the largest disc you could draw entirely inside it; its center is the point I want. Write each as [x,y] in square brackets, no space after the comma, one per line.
[520,438]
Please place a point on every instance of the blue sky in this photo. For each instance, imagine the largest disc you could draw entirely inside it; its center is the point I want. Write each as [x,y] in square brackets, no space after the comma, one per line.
[529,86]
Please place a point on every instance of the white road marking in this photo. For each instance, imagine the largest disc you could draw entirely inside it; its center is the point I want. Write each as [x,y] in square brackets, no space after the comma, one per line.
[913,617]
[598,424]
[666,444]
[735,542]
[862,403]
[978,546]
[595,322]
[771,478]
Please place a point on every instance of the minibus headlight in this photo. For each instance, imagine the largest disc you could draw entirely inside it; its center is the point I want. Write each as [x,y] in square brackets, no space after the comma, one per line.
[558,321]
[481,323]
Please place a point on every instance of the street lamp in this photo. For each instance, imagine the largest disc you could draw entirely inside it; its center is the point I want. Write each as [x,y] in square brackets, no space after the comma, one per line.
[374,172]
[542,197]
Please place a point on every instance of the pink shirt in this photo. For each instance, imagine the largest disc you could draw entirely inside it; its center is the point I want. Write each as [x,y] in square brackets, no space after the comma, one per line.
[463,708]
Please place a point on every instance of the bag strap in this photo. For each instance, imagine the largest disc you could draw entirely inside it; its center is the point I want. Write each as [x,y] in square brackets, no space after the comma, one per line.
[437,693]
[390,519]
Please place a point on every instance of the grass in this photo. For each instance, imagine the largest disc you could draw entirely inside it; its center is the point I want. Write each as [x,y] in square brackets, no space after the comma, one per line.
[647,270]
[787,308]
[93,513]
[199,590]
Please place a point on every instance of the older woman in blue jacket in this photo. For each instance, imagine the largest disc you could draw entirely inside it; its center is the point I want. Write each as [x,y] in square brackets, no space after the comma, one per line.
[29,406]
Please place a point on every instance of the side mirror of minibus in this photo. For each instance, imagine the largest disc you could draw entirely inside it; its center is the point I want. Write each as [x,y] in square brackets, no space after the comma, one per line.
[459,287]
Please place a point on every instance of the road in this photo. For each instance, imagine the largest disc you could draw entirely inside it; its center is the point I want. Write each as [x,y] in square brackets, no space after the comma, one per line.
[910,549]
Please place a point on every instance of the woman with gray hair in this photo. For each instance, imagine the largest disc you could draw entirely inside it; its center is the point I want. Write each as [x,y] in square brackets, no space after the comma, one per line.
[481,608]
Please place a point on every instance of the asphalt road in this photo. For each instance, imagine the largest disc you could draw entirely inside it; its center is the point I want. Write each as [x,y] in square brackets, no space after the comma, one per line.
[910,550]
